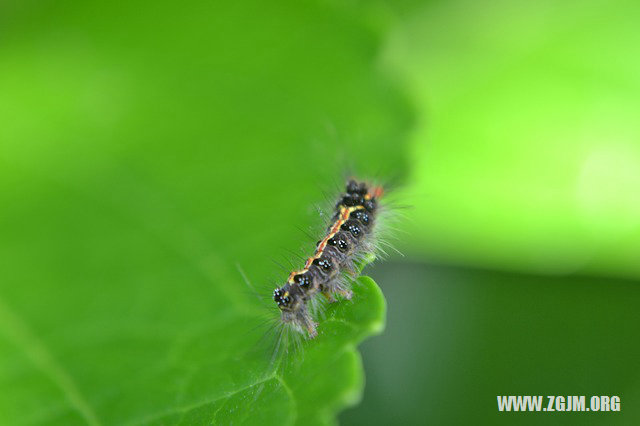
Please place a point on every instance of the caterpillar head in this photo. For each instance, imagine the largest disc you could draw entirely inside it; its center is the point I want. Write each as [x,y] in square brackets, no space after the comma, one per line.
[289,300]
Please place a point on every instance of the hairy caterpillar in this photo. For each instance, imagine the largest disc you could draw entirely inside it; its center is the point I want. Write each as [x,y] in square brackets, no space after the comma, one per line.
[348,237]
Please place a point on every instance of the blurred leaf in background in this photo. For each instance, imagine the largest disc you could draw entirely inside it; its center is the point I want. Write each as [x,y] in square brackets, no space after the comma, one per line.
[527,146]
[146,148]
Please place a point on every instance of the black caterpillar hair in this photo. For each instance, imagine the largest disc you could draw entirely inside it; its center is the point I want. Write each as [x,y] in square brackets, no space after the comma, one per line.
[346,239]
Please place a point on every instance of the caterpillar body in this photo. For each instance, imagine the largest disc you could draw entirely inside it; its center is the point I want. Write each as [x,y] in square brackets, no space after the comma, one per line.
[348,237]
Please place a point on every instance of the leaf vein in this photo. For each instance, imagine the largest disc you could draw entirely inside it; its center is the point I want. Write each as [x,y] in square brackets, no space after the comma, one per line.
[17,330]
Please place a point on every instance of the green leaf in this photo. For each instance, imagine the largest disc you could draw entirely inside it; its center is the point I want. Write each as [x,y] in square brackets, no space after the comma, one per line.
[298,388]
[146,150]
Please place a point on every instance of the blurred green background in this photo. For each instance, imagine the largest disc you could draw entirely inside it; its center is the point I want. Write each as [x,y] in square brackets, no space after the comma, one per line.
[147,148]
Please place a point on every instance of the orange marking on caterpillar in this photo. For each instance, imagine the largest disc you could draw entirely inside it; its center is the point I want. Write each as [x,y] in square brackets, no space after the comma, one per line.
[344,216]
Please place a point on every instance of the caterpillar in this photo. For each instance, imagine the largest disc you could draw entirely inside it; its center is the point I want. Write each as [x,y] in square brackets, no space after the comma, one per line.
[348,237]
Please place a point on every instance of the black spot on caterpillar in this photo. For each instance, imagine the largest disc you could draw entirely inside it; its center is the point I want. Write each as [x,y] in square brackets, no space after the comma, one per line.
[347,238]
